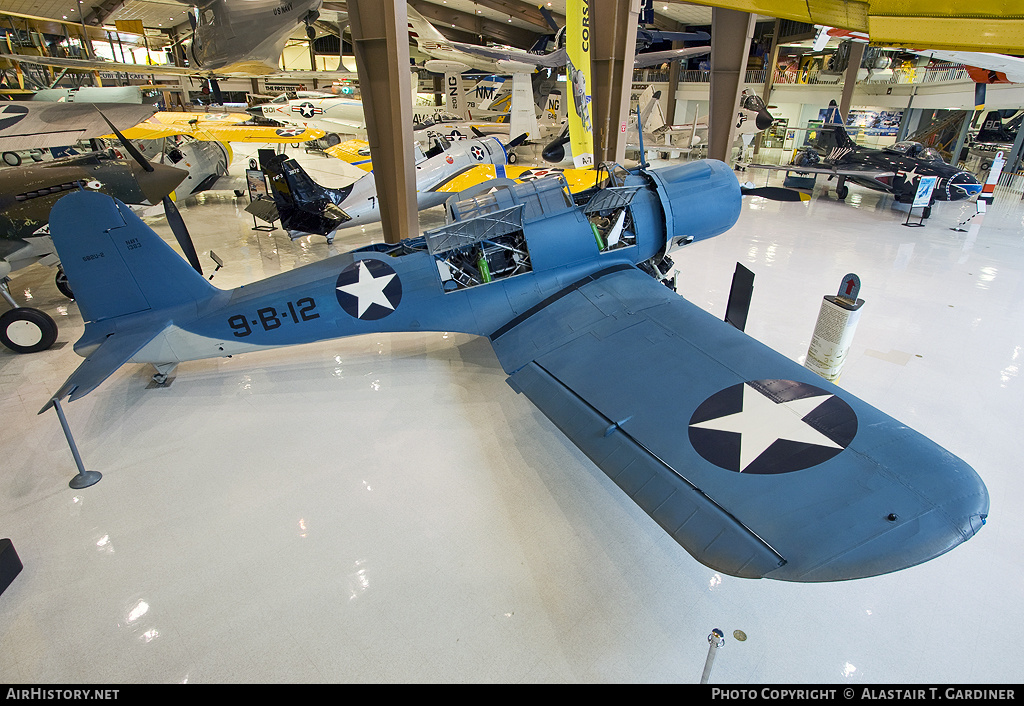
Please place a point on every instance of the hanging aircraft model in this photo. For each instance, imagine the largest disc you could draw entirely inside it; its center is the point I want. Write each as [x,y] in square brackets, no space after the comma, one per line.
[229,38]
[28,193]
[456,57]
[755,465]
[896,169]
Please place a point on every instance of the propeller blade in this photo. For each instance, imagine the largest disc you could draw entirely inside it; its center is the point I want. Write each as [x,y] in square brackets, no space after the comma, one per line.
[129,147]
[218,97]
[181,234]
[476,131]
[549,18]
[517,141]
[775,193]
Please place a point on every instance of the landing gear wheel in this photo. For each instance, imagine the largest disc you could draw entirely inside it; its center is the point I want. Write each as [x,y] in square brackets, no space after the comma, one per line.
[512,158]
[61,280]
[25,330]
[310,32]
[842,192]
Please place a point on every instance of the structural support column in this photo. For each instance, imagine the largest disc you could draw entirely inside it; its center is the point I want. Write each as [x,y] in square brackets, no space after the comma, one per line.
[731,33]
[769,75]
[850,78]
[380,39]
[613,47]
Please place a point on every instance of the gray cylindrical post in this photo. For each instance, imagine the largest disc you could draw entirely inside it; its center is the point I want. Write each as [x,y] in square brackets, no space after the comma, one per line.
[84,478]
[715,640]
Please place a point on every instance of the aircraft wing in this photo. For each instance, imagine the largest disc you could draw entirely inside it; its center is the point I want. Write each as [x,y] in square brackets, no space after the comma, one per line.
[1010,66]
[754,464]
[577,179]
[217,128]
[655,58]
[831,171]
[28,124]
[355,152]
[552,60]
[101,65]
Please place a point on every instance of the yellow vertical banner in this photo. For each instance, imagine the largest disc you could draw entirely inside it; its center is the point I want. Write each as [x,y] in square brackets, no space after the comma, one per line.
[578,81]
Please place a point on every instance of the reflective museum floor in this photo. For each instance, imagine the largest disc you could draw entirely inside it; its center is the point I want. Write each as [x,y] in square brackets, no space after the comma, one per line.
[387,509]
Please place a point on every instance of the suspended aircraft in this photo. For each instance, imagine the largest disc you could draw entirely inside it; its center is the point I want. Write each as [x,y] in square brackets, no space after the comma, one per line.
[229,38]
[28,193]
[755,465]
[457,57]
[896,169]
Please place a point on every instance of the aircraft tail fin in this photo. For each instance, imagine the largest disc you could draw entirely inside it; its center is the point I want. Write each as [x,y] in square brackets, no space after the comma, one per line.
[420,29]
[523,117]
[992,129]
[302,204]
[118,267]
[832,134]
[115,263]
[649,113]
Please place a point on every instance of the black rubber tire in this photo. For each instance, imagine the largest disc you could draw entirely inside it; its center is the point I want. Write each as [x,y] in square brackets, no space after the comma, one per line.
[842,192]
[24,323]
[512,158]
[12,159]
[61,280]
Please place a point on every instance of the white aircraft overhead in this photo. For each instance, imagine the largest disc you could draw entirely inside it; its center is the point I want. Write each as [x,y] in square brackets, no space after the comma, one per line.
[447,56]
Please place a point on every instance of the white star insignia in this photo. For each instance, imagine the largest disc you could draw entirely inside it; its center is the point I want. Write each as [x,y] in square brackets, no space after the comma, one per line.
[763,422]
[369,289]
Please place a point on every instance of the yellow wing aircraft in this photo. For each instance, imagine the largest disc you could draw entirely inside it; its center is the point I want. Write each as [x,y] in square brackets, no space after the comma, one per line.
[216,127]
[452,171]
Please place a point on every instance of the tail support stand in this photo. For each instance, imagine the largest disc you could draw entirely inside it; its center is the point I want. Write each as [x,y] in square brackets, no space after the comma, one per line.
[715,640]
[84,478]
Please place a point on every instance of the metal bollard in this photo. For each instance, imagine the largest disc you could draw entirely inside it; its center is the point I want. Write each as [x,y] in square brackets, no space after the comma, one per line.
[715,640]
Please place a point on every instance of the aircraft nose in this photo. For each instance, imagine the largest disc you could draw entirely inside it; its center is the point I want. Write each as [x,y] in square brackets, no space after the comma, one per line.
[764,120]
[255,110]
[160,182]
[964,185]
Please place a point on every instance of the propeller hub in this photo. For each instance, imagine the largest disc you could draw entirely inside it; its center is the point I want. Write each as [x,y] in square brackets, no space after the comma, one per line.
[160,182]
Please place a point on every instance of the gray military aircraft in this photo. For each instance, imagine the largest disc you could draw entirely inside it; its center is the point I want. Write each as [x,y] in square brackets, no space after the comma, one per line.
[755,465]
[229,37]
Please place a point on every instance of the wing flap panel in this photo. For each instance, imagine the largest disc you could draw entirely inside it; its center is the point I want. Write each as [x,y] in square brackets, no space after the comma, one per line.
[833,485]
[701,527]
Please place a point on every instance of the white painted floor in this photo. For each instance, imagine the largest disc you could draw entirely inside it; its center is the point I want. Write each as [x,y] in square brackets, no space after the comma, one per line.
[387,509]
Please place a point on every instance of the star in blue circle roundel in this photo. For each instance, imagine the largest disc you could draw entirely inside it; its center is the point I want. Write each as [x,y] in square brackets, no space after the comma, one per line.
[771,426]
[369,289]
[11,114]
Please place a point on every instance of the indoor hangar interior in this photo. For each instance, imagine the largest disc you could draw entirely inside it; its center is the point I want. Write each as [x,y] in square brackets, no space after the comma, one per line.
[431,475]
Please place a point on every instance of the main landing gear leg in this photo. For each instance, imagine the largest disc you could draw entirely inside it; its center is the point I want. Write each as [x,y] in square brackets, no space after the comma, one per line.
[163,373]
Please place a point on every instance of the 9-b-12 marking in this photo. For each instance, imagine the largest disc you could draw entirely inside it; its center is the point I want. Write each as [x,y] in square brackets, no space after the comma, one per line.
[269,318]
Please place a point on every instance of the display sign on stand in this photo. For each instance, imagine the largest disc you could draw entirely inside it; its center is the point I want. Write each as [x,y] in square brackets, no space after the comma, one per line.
[922,199]
[261,204]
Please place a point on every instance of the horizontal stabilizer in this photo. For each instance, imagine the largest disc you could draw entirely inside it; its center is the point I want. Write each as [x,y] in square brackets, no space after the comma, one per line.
[115,350]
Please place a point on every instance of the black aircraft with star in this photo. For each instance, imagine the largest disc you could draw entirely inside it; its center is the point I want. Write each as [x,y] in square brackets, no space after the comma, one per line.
[896,169]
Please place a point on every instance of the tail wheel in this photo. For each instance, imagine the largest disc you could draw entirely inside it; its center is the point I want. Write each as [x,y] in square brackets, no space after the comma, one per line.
[25,330]
[842,191]
[61,280]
